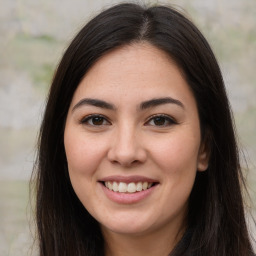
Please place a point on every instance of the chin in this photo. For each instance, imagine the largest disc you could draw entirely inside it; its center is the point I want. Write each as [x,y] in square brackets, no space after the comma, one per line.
[127,226]
[127,230]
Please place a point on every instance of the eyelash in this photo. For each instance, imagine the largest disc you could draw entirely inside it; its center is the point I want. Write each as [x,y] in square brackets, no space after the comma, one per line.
[168,121]
[86,120]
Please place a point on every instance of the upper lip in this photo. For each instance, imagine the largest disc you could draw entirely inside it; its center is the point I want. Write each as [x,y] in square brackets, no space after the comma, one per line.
[128,179]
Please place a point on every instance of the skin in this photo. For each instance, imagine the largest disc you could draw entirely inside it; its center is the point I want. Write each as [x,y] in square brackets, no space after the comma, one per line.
[130,140]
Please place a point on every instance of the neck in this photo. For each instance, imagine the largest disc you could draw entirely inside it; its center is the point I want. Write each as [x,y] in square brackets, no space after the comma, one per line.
[160,242]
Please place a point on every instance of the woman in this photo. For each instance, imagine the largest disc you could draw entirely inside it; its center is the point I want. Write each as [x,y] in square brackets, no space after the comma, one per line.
[137,152]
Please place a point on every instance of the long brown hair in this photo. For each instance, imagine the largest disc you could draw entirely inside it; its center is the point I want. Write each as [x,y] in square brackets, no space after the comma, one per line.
[216,221]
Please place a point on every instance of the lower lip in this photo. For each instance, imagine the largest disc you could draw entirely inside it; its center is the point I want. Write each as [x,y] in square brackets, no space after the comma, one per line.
[127,198]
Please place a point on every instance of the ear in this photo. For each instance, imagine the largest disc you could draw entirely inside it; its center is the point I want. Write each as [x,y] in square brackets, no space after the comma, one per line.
[204,153]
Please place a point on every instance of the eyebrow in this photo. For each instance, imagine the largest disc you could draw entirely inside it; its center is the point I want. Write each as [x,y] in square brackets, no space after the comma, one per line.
[94,102]
[144,105]
[160,101]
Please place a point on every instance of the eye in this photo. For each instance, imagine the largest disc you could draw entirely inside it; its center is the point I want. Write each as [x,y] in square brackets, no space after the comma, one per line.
[95,120]
[161,121]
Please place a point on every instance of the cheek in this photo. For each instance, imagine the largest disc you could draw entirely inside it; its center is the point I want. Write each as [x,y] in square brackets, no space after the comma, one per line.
[176,155]
[83,157]
[176,158]
[83,154]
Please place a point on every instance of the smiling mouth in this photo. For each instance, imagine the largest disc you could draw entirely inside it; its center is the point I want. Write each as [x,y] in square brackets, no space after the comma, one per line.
[131,187]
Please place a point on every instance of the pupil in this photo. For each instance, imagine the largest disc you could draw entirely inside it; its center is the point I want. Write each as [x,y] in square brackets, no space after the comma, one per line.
[159,120]
[97,120]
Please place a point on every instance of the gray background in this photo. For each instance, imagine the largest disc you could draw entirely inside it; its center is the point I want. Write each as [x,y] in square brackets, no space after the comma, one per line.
[34,35]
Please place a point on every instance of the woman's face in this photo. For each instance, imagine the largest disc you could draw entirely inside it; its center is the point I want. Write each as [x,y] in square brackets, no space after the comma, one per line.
[132,140]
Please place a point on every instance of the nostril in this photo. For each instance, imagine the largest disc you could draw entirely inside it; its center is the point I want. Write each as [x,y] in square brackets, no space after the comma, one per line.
[126,163]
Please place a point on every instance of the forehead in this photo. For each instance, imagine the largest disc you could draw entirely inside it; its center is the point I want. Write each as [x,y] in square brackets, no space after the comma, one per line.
[136,58]
[133,71]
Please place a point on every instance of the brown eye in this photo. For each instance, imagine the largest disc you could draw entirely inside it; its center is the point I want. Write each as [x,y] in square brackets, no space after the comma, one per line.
[95,120]
[161,121]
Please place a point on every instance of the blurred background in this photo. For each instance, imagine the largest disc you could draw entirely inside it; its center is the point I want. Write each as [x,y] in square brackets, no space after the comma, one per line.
[35,34]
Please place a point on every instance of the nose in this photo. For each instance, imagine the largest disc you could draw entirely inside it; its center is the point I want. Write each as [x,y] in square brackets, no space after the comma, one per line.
[127,148]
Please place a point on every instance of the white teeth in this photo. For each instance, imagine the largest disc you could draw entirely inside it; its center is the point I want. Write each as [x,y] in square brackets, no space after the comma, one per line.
[132,187]
[139,186]
[115,186]
[110,185]
[122,187]
[144,185]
